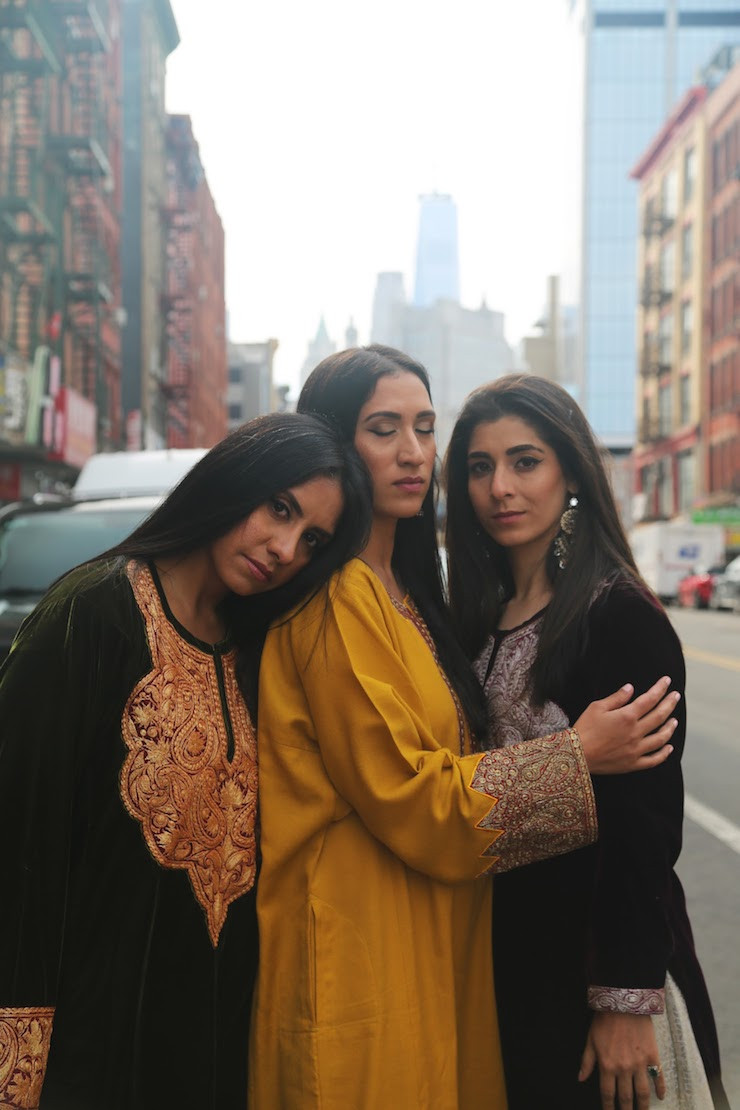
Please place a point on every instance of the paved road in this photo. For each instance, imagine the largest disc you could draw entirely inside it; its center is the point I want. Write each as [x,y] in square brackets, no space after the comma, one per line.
[710,863]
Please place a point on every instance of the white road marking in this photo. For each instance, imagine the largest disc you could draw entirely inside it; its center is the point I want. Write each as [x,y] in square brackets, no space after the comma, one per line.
[713,822]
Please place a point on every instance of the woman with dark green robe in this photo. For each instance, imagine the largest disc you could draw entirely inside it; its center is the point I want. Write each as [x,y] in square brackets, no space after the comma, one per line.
[128,781]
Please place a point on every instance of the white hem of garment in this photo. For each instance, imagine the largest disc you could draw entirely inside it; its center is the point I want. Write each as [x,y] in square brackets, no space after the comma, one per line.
[686,1082]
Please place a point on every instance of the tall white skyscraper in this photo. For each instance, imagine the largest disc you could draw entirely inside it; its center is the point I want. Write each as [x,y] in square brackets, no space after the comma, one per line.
[437,271]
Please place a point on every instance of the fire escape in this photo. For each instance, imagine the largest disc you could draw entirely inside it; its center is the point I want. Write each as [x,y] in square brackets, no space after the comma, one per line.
[58,220]
[29,205]
[91,271]
[183,175]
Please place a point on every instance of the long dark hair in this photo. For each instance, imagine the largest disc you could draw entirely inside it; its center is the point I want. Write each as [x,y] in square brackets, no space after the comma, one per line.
[338,388]
[480,579]
[254,462]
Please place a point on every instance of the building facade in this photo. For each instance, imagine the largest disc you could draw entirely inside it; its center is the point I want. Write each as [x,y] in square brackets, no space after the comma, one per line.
[389,302]
[251,391]
[193,385]
[688,394]
[318,348]
[149,35]
[60,285]
[721,357]
[553,353]
[640,56]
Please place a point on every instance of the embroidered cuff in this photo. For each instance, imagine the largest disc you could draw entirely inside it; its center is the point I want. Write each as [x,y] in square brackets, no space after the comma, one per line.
[25,1035]
[543,800]
[627,1000]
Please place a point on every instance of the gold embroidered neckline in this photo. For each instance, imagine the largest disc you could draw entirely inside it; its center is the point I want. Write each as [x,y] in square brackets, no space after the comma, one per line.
[408,609]
[197,807]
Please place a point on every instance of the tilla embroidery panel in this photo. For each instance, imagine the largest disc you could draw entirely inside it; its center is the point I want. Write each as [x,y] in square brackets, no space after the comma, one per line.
[544,803]
[25,1036]
[197,809]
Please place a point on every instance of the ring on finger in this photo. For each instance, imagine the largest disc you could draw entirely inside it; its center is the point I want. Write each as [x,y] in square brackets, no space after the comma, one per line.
[654,1070]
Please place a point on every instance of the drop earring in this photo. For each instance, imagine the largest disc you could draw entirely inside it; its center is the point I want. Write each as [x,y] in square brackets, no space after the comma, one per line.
[568,523]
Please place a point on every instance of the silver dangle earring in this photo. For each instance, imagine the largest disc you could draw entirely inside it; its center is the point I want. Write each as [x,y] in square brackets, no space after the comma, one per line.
[568,522]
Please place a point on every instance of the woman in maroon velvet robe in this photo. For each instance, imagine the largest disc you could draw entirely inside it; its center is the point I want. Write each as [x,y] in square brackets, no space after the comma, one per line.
[600,994]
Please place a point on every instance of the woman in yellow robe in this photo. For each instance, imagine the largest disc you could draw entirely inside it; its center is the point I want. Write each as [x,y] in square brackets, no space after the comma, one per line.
[375,987]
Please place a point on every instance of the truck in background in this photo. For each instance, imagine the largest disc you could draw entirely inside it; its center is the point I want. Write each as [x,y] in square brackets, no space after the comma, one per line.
[666,551]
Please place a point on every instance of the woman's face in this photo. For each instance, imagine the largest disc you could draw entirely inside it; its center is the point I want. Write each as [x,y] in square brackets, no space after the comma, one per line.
[395,437]
[516,485]
[279,538]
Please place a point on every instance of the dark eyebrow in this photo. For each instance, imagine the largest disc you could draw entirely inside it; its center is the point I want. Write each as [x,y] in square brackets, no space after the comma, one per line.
[397,415]
[293,502]
[520,447]
[523,447]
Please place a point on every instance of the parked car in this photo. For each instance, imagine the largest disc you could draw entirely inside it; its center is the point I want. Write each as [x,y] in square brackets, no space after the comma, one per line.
[726,592]
[695,590]
[134,473]
[43,538]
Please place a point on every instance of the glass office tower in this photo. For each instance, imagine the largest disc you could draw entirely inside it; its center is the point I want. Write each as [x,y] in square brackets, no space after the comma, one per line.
[437,276]
[640,58]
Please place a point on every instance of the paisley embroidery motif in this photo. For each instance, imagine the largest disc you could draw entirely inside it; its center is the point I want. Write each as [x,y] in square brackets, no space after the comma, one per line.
[543,800]
[511,717]
[627,1000]
[197,808]
[25,1035]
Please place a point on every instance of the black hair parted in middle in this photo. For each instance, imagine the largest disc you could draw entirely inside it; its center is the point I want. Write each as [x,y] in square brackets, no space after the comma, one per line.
[258,460]
[481,580]
[337,389]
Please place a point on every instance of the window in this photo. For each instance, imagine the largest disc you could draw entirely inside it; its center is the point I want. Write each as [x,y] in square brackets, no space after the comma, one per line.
[235,412]
[665,488]
[689,174]
[687,250]
[684,399]
[664,410]
[665,340]
[669,195]
[687,326]
[686,475]
[235,374]
[667,268]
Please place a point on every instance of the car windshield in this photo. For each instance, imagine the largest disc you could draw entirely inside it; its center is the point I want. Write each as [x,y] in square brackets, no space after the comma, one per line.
[36,548]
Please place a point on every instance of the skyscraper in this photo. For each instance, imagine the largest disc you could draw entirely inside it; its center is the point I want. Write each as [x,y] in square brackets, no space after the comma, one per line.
[437,275]
[389,304]
[640,57]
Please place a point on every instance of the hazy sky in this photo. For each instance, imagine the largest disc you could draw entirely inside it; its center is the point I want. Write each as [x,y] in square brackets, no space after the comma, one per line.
[320,124]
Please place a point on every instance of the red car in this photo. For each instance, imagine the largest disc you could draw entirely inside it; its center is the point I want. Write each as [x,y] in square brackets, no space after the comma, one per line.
[695,590]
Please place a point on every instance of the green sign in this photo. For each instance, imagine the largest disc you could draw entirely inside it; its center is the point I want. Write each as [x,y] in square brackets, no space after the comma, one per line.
[723,514]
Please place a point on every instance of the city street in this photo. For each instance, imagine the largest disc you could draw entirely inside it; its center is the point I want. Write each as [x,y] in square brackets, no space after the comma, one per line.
[710,863]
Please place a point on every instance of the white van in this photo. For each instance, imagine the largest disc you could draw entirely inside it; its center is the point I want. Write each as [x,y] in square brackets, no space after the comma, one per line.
[134,473]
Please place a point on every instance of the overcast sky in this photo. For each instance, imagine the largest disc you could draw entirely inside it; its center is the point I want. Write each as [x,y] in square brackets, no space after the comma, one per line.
[320,124]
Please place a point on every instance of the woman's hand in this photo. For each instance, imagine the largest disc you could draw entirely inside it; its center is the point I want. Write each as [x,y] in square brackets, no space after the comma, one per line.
[619,737]
[623,1045]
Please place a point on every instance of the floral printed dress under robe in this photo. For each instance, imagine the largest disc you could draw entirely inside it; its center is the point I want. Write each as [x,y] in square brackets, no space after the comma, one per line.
[128,795]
